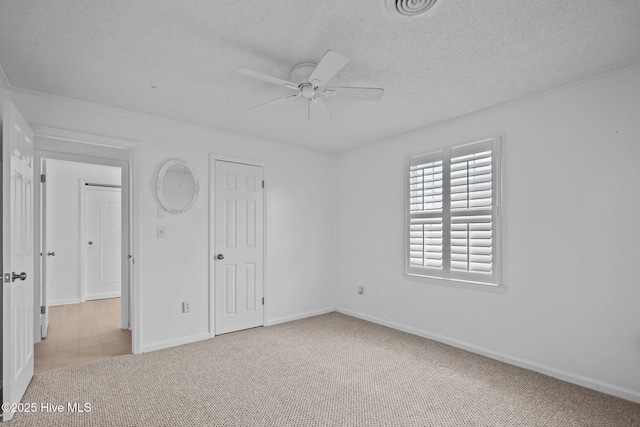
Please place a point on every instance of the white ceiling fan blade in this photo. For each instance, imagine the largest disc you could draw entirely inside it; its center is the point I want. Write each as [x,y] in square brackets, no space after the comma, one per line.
[266,78]
[329,65]
[358,93]
[275,102]
[318,109]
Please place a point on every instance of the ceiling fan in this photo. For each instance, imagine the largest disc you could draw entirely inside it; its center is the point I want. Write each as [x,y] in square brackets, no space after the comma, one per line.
[309,81]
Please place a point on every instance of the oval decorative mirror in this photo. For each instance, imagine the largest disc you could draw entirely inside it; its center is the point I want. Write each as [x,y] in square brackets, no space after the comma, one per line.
[178,186]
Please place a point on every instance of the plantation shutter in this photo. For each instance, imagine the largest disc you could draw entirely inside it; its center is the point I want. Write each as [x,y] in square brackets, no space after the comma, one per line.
[471,184]
[426,228]
[453,213]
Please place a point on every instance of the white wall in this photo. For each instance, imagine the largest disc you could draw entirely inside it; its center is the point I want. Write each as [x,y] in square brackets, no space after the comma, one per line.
[572,230]
[299,211]
[64,236]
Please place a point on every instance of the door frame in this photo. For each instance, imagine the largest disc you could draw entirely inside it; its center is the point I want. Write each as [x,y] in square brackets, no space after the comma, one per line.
[212,222]
[40,233]
[83,235]
[63,144]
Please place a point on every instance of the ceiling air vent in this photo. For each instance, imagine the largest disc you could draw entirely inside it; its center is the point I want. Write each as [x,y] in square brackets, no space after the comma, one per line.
[409,8]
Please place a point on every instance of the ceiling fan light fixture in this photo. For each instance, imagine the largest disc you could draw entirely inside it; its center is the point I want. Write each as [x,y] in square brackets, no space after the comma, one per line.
[409,8]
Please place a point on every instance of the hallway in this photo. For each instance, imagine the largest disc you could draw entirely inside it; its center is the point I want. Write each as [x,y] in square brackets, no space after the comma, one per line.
[80,333]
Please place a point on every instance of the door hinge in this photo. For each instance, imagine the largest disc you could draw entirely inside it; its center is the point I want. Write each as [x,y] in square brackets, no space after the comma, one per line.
[262,300]
[263,183]
[43,178]
[43,309]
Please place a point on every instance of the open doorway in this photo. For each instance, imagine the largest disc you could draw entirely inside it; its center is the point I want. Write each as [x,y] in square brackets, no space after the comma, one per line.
[73,164]
[81,274]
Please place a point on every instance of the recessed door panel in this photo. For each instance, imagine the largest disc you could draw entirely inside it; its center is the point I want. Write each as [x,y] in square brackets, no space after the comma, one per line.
[230,288]
[251,183]
[250,287]
[250,222]
[230,221]
[230,181]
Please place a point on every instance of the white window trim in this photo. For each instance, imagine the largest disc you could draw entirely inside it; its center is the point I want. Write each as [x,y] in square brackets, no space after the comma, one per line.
[499,210]
[455,283]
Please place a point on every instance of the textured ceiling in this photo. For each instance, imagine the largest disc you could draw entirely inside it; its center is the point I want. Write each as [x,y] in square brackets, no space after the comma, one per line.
[176,59]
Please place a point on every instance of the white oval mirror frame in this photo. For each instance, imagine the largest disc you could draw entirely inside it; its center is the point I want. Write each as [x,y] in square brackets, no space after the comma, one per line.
[177,186]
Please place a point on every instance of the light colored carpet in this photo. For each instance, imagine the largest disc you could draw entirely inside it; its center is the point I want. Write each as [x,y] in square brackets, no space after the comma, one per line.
[330,370]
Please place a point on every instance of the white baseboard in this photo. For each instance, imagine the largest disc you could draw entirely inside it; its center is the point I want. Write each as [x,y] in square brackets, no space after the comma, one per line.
[78,300]
[175,342]
[207,335]
[63,302]
[299,316]
[600,386]
[105,295]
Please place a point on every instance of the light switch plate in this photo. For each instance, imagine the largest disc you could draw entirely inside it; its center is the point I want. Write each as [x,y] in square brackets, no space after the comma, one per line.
[162,232]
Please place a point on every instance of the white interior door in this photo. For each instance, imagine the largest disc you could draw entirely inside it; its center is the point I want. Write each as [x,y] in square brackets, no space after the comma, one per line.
[103,239]
[239,247]
[17,256]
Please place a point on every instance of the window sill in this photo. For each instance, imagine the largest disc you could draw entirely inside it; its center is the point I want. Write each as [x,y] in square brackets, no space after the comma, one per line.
[456,283]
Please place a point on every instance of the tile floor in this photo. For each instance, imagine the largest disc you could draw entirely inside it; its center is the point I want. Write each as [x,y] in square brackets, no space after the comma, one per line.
[80,333]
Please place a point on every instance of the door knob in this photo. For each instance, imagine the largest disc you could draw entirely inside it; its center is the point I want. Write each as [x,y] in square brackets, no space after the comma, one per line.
[220,256]
[15,276]
[90,243]
[52,253]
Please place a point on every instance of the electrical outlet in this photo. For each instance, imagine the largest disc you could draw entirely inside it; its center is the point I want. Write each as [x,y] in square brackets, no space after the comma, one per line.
[360,290]
[186,307]
[162,232]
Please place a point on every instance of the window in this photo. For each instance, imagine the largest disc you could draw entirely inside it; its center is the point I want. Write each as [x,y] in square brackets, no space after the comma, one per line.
[453,214]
